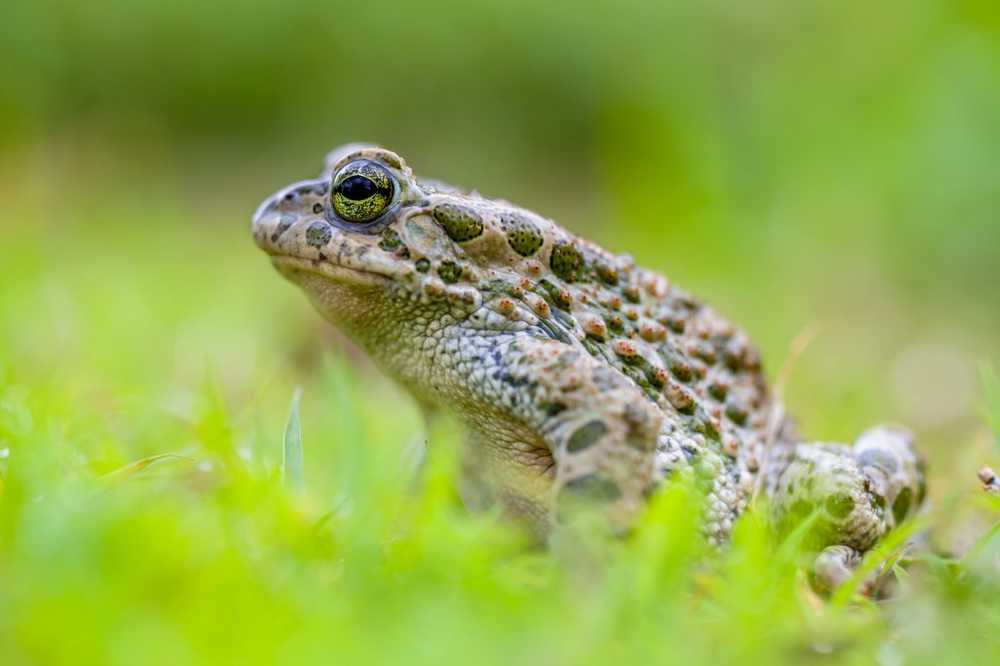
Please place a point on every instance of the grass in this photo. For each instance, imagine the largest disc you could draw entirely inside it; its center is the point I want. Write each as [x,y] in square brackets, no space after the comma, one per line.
[206,556]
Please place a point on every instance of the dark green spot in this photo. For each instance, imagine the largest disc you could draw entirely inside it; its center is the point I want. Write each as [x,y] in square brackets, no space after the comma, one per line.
[608,274]
[593,487]
[390,240]
[554,295]
[654,376]
[877,503]
[682,371]
[319,234]
[566,261]
[676,324]
[703,424]
[901,507]
[586,436]
[718,391]
[737,414]
[523,235]
[553,408]
[839,506]
[799,511]
[449,271]
[733,358]
[460,223]
[422,265]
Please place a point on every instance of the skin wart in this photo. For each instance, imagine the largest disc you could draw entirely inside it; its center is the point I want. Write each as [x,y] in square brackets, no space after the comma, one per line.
[583,380]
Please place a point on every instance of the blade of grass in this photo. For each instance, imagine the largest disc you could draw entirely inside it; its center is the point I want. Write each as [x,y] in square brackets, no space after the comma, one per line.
[134,467]
[980,545]
[291,467]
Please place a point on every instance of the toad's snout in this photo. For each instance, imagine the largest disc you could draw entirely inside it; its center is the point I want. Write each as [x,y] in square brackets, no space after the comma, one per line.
[299,202]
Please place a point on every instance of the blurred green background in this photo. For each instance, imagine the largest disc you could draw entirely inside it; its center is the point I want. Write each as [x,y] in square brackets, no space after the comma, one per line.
[827,166]
[831,164]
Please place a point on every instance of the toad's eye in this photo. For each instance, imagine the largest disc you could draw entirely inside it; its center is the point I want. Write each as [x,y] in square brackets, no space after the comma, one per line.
[362,191]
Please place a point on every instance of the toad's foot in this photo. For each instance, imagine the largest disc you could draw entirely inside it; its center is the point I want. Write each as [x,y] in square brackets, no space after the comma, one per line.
[858,495]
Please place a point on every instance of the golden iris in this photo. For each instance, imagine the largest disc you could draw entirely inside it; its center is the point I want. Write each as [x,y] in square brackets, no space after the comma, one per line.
[362,191]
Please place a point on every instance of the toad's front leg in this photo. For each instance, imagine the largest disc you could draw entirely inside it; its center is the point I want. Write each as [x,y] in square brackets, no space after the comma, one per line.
[858,493]
[560,430]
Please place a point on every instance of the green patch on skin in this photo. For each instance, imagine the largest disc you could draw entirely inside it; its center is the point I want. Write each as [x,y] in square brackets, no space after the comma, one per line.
[450,272]
[676,324]
[497,286]
[608,274]
[422,265]
[586,436]
[523,235]
[637,375]
[593,487]
[654,377]
[554,295]
[718,391]
[318,234]
[460,223]
[566,261]
[552,408]
[701,423]
[901,507]
[390,240]
[681,370]
[839,506]
[736,413]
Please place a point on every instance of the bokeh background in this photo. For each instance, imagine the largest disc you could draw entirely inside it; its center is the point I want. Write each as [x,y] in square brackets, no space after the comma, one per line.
[831,167]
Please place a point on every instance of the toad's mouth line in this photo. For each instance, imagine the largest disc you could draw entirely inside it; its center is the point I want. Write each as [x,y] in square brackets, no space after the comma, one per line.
[288,265]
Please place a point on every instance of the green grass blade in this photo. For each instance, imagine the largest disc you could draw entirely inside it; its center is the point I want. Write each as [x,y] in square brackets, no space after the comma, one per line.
[981,544]
[137,466]
[292,467]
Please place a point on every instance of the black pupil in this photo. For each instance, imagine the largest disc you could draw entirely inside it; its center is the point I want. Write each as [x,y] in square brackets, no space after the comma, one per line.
[357,188]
